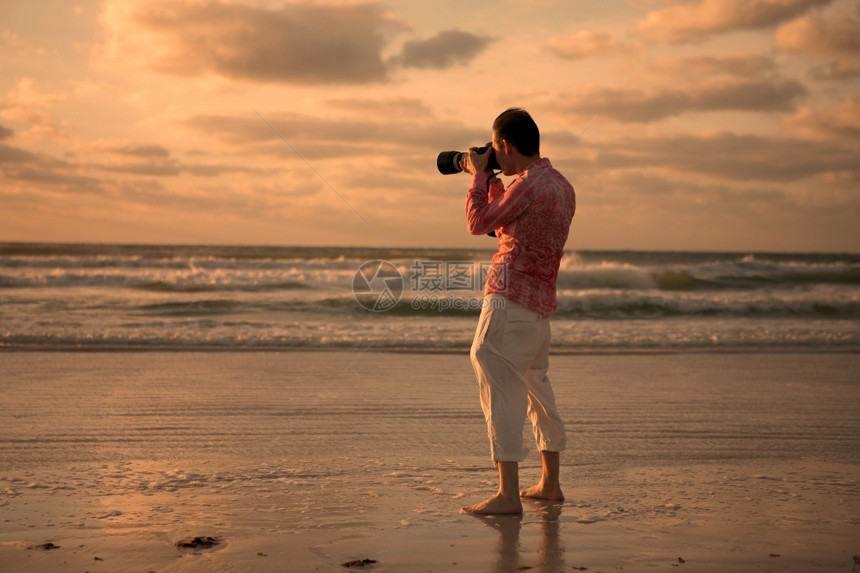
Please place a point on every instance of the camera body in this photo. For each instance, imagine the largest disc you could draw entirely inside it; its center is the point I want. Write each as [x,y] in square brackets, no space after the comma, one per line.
[448,162]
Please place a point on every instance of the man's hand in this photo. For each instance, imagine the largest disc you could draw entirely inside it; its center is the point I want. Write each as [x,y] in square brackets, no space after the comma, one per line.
[475,162]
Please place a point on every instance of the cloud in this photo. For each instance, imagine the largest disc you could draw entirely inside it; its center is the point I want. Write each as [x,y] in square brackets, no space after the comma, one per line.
[142,151]
[155,169]
[697,214]
[444,50]
[10,154]
[128,166]
[726,156]
[26,103]
[296,128]
[390,106]
[841,122]
[357,134]
[681,23]
[700,67]
[5,132]
[41,176]
[173,167]
[300,43]
[26,115]
[835,71]
[130,157]
[129,148]
[19,166]
[719,94]
[9,39]
[26,92]
[586,43]
[815,36]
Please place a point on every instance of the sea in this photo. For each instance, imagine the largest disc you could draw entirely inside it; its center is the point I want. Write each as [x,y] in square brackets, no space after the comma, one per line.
[175,297]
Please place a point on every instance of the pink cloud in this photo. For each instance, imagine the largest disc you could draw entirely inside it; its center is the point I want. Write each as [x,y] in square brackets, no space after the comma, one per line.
[299,43]
[652,104]
[586,43]
[681,23]
[814,35]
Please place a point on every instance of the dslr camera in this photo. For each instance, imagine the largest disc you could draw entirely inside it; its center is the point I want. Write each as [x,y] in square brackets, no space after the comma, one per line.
[448,162]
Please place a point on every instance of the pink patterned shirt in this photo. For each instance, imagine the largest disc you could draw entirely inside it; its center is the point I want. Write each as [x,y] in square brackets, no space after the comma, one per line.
[532,219]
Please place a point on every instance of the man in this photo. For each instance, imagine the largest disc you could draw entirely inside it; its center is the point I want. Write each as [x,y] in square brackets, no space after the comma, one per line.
[510,351]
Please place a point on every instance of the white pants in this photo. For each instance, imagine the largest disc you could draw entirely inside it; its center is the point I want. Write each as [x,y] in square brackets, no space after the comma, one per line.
[510,355]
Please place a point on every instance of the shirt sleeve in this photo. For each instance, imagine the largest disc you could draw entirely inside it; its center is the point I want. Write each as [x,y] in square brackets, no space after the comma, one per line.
[484,215]
[496,190]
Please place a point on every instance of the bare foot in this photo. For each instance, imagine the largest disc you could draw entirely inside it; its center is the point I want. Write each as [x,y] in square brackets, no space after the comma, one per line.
[541,491]
[496,505]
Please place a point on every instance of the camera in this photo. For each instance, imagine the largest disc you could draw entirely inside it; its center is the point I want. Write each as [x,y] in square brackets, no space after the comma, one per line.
[448,162]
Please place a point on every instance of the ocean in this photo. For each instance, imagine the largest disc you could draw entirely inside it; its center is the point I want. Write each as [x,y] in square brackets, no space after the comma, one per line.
[101,297]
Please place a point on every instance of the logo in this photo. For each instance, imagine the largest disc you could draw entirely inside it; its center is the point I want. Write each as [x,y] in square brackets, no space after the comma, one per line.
[377,285]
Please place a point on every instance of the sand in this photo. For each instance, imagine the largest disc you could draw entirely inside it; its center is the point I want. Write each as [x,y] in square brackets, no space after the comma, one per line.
[303,461]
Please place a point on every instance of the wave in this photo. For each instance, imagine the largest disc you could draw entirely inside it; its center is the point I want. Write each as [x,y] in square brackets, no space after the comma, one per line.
[835,303]
[741,273]
[301,304]
[175,284]
[452,336]
[266,275]
[167,287]
[96,254]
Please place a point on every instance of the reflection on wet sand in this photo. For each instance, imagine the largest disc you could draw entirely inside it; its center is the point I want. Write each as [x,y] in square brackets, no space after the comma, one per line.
[550,552]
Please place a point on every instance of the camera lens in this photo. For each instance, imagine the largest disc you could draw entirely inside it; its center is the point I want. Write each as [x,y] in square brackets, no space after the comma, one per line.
[448,162]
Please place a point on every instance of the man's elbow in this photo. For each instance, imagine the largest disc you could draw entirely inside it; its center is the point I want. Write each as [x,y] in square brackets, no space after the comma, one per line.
[474,227]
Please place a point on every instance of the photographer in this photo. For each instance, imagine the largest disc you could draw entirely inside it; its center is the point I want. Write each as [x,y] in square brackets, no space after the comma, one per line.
[510,351]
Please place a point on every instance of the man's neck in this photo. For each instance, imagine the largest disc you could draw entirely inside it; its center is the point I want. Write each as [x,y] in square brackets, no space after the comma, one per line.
[522,162]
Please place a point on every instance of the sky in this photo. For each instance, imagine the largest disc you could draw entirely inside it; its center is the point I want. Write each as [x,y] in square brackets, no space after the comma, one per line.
[710,125]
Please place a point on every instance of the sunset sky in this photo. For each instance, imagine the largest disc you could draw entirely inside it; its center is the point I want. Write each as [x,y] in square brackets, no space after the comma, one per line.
[708,125]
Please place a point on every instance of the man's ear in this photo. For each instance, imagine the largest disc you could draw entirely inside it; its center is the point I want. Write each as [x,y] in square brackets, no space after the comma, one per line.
[508,147]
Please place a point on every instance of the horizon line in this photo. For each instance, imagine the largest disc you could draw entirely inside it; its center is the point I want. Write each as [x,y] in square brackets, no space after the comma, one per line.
[411,248]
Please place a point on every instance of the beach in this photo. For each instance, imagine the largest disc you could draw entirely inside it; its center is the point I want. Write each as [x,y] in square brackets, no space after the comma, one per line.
[307,460]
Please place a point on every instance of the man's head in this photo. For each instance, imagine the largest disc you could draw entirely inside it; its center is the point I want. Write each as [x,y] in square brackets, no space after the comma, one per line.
[516,139]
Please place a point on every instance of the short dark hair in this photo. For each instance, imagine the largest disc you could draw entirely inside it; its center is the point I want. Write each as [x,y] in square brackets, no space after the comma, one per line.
[517,127]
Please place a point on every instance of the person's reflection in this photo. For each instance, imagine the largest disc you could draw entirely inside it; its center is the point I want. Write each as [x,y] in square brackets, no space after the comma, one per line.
[508,527]
[550,552]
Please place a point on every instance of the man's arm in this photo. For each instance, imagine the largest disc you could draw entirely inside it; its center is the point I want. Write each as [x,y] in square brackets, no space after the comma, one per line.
[483,216]
[496,188]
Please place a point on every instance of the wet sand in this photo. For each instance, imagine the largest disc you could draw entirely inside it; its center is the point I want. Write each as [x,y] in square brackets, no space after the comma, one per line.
[305,461]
